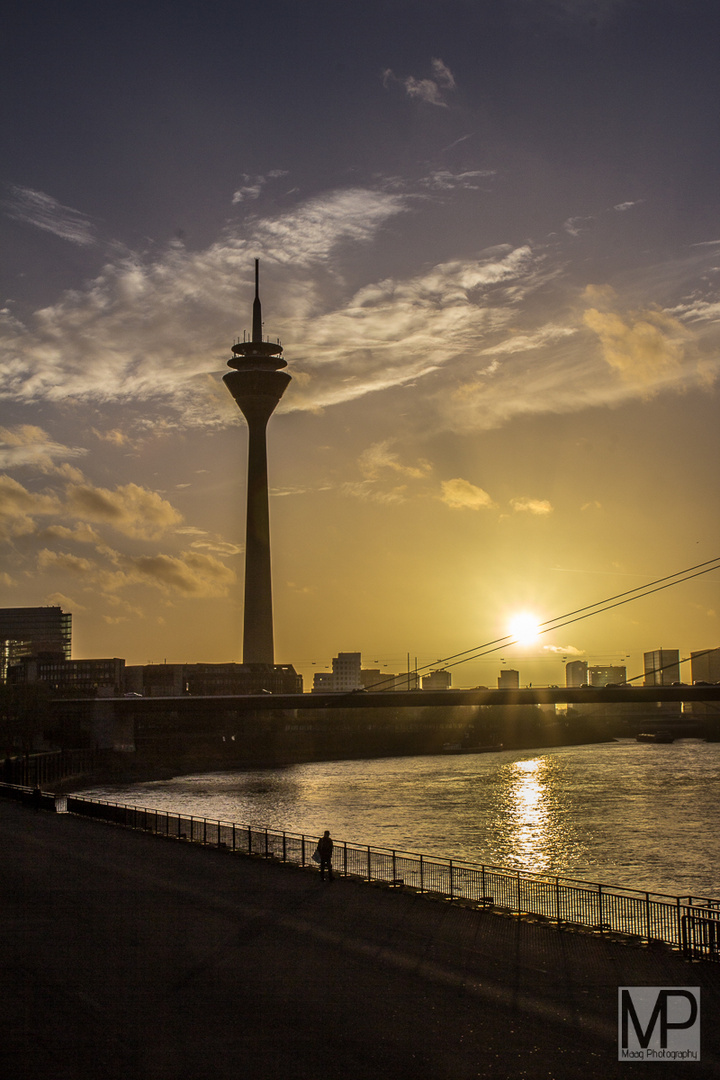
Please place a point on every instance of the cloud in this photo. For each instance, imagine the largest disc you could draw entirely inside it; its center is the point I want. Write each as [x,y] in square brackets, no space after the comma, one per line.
[157,327]
[574,226]
[131,509]
[114,436]
[540,507]
[379,458]
[252,186]
[219,547]
[190,573]
[563,650]
[446,180]
[28,445]
[640,345]
[623,206]
[20,507]
[80,534]
[44,212]
[430,91]
[460,494]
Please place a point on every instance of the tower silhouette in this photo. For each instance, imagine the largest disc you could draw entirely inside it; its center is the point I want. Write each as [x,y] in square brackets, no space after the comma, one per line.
[257,384]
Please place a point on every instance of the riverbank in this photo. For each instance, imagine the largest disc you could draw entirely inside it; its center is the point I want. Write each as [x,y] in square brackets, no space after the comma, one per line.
[137,768]
[129,956]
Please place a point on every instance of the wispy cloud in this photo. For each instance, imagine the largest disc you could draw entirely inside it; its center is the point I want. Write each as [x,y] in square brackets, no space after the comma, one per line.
[378,459]
[28,445]
[252,186]
[159,328]
[431,91]
[45,212]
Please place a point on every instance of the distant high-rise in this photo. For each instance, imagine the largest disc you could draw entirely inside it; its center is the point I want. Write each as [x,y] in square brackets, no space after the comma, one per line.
[257,384]
[509,679]
[30,631]
[662,667]
[346,671]
[705,666]
[576,673]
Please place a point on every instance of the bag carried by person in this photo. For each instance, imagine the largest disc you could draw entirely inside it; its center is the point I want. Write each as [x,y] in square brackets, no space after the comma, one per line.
[316,855]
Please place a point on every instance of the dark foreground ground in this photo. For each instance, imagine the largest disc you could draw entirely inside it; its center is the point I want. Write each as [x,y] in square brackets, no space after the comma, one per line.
[128,957]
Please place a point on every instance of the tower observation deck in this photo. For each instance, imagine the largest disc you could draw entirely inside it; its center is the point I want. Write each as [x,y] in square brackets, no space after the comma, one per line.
[257,384]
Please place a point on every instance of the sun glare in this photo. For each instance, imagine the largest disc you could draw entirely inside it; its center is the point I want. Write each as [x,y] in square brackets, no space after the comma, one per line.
[524,628]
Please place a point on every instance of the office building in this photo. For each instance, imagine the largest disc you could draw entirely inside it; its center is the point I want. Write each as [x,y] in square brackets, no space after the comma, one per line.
[606,676]
[705,666]
[207,680]
[662,667]
[346,668]
[509,679]
[576,673]
[71,678]
[30,631]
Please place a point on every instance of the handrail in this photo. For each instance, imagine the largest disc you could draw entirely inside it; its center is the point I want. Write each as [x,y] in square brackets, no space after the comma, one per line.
[688,923]
[691,924]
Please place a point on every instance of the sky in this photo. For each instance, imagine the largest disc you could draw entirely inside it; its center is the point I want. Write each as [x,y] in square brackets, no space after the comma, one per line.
[489,236]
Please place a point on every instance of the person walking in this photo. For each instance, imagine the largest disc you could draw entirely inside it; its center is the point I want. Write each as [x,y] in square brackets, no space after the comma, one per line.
[325,850]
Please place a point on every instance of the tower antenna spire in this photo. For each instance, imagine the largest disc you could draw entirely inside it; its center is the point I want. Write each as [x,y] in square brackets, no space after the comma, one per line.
[257,310]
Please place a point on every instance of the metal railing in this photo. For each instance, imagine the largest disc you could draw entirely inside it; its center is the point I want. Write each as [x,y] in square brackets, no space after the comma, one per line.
[691,924]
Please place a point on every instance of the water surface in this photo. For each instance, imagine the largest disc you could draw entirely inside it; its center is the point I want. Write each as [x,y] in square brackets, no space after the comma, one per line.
[622,813]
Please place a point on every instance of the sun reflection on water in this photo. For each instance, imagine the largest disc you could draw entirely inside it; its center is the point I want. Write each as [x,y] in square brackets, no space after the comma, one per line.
[528,803]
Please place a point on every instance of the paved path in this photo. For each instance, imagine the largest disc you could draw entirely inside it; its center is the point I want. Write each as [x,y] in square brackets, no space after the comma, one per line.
[129,957]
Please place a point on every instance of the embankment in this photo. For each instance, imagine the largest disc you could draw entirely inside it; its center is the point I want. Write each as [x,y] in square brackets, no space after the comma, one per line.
[130,956]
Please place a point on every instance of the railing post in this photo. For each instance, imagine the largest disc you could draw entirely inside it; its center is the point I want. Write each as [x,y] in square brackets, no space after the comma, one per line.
[647,914]
[284,847]
[557,899]
[451,878]
[204,830]
[249,839]
[267,850]
[369,868]
[302,851]
[517,889]
[394,873]
[422,886]
[345,858]
[600,906]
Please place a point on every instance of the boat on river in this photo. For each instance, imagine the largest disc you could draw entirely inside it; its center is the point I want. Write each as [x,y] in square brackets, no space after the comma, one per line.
[655,737]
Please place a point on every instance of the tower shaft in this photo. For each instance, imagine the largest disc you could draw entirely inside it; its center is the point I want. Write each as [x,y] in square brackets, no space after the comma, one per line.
[258,646]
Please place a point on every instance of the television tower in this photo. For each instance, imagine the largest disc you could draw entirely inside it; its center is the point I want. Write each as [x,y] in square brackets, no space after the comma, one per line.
[257,384]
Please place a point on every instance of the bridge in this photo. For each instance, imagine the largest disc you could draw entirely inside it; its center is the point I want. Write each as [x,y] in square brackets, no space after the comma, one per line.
[388,699]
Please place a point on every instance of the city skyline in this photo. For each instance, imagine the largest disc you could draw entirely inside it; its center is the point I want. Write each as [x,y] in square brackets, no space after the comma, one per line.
[490,249]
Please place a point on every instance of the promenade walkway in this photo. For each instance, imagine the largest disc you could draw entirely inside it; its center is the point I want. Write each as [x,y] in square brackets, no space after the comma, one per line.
[129,957]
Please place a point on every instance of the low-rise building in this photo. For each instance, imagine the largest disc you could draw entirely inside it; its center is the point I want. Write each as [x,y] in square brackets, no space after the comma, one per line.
[438,679]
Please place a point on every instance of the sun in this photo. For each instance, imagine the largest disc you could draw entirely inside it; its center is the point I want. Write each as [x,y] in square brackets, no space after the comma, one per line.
[524,628]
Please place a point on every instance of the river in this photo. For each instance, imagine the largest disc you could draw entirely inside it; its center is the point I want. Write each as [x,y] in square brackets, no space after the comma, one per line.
[622,813]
